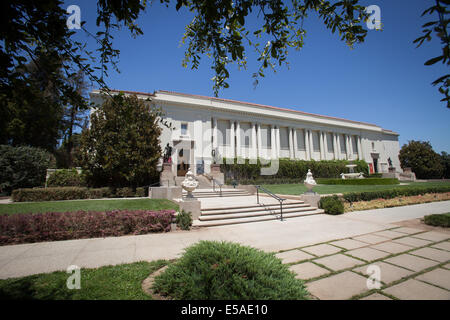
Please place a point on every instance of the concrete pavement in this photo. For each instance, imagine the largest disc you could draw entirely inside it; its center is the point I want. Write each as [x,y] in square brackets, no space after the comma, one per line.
[270,236]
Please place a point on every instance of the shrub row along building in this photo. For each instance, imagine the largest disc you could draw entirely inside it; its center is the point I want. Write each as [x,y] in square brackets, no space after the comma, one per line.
[207,129]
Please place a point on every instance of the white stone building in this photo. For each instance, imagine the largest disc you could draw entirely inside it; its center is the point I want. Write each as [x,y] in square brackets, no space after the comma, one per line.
[247,130]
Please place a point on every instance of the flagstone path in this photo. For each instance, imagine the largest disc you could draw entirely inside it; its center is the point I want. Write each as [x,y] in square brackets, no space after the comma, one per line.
[396,263]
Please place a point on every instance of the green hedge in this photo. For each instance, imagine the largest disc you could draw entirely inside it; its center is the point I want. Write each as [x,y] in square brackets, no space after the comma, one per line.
[393,193]
[72,193]
[66,178]
[288,169]
[371,181]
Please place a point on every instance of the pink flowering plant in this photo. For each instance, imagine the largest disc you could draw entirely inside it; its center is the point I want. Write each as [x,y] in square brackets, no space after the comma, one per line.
[54,226]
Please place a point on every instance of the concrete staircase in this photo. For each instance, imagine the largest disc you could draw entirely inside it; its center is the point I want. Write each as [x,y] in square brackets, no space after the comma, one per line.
[253,213]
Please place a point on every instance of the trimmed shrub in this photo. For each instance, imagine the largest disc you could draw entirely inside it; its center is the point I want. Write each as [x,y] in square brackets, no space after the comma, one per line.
[124,192]
[50,194]
[52,226]
[359,182]
[66,178]
[438,220]
[331,205]
[211,270]
[23,167]
[140,192]
[184,220]
[392,193]
[97,193]
[288,169]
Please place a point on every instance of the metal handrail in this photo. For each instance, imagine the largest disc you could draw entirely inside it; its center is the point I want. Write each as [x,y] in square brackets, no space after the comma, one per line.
[273,195]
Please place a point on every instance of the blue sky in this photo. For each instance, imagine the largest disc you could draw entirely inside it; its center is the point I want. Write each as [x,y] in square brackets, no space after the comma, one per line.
[381,81]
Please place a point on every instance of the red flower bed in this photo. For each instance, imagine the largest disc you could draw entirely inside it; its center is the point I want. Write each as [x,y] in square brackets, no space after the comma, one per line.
[52,226]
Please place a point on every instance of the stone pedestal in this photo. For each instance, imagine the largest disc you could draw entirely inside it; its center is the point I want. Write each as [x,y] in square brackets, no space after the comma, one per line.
[311,198]
[169,193]
[191,205]
[166,179]
[392,169]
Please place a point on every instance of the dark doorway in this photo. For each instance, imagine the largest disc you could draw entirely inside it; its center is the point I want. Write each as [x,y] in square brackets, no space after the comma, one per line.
[375,165]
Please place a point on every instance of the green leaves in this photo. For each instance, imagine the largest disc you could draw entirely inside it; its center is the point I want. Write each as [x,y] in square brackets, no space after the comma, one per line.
[440,29]
[121,148]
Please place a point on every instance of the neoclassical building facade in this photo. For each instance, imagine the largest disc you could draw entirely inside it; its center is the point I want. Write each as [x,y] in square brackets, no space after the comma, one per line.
[208,128]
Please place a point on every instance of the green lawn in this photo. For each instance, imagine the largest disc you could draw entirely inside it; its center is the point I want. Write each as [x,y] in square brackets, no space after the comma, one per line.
[93,205]
[121,282]
[296,189]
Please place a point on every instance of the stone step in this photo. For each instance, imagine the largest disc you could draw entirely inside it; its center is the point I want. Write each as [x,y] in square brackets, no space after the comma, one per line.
[256,207]
[215,223]
[259,213]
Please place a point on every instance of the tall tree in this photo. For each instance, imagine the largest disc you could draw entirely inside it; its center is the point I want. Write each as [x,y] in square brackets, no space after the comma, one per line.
[75,114]
[422,159]
[122,148]
[32,111]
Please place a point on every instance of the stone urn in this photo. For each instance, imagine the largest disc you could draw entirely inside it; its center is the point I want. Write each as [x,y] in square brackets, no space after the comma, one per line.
[189,183]
[310,182]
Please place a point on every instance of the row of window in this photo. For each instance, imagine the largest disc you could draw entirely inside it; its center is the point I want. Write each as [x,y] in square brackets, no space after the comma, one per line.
[224,134]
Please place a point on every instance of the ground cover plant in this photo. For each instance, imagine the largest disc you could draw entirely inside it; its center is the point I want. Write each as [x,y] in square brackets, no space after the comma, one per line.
[53,226]
[211,270]
[395,202]
[438,220]
[96,284]
[88,205]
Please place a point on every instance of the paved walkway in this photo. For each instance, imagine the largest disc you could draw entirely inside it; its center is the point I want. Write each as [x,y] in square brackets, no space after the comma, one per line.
[365,230]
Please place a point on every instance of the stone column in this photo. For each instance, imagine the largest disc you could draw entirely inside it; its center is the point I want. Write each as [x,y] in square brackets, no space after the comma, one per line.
[277,134]
[254,149]
[360,153]
[260,148]
[325,145]
[350,143]
[338,140]
[232,152]
[322,151]
[215,144]
[347,147]
[308,152]
[335,146]
[311,145]
[295,144]
[273,147]
[291,142]
[238,139]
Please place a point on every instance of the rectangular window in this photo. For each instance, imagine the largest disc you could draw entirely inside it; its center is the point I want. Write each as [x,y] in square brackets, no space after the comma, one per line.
[330,147]
[300,139]
[184,127]
[284,138]
[342,143]
[266,139]
[223,132]
[246,134]
[316,143]
[355,144]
